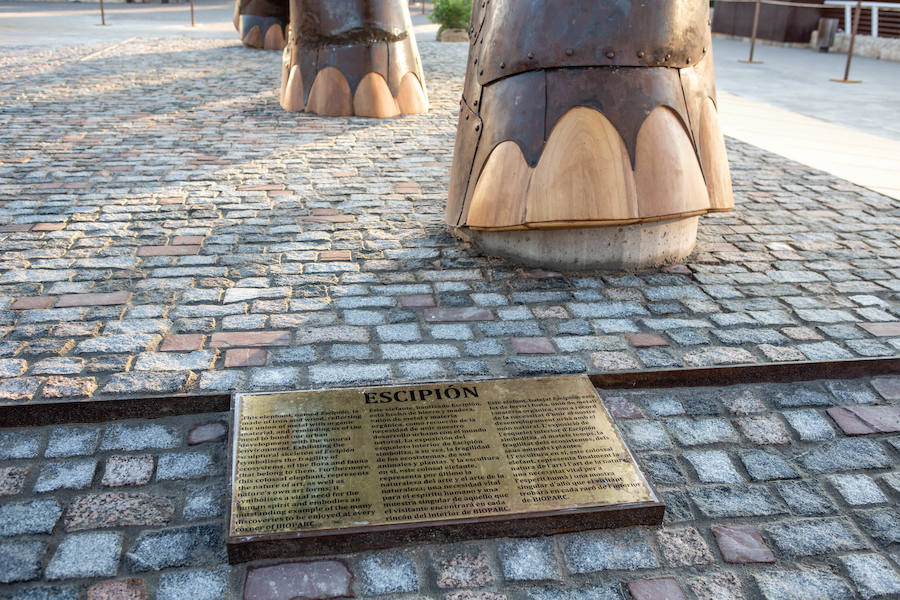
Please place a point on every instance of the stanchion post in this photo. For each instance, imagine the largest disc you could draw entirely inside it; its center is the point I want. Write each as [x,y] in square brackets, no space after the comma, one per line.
[753,35]
[102,14]
[855,27]
[192,13]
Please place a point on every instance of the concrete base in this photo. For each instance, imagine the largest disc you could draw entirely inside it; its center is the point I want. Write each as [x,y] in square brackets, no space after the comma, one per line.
[623,248]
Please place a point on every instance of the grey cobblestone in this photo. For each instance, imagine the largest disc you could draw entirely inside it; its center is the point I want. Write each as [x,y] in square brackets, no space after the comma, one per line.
[807,538]
[65,475]
[86,555]
[625,549]
[21,560]
[35,516]
[814,584]
[185,465]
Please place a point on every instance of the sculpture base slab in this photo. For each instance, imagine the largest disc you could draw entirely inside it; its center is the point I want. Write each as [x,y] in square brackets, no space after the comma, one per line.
[614,248]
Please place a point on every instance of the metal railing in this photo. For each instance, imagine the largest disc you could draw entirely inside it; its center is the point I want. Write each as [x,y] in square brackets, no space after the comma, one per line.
[845,5]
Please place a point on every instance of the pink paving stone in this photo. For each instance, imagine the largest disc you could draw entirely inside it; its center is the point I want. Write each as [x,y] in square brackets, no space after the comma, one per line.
[550,312]
[416,300]
[207,432]
[12,480]
[69,387]
[295,580]
[445,314]
[170,200]
[677,269]
[123,589]
[888,387]
[532,345]
[94,299]
[49,227]
[182,342]
[889,329]
[622,408]
[323,212]
[246,357]
[684,547]
[32,302]
[742,544]
[717,586]
[464,570]
[765,430]
[645,340]
[276,193]
[665,588]
[863,420]
[226,339]
[118,509]
[169,250]
[333,255]
[467,595]
[128,470]
[187,240]
[14,228]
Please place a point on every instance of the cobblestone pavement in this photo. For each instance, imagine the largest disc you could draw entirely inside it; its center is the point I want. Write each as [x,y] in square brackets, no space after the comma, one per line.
[775,491]
[165,227]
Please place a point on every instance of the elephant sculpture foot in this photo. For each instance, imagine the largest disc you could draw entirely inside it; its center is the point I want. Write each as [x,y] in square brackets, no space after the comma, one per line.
[593,149]
[352,57]
[261,24]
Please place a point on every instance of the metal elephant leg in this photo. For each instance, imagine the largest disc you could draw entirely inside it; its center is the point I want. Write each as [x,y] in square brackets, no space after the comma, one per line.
[261,23]
[352,57]
[588,134]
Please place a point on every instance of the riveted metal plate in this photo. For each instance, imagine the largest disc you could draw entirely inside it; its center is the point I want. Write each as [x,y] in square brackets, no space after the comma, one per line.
[524,35]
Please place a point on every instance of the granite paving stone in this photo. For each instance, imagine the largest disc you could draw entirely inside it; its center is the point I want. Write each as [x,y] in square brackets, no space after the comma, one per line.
[465,569]
[697,432]
[185,547]
[717,586]
[873,576]
[809,424]
[812,537]
[804,498]
[29,517]
[845,455]
[139,437]
[607,591]
[197,584]
[286,581]
[120,589]
[713,466]
[185,465]
[387,573]
[813,584]
[683,547]
[128,470]
[766,466]
[118,509]
[21,443]
[65,475]
[86,555]
[857,489]
[882,524]
[22,560]
[12,480]
[530,559]
[624,549]
[735,501]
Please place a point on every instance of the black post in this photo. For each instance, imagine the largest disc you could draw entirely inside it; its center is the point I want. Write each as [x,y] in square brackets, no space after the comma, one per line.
[753,35]
[855,27]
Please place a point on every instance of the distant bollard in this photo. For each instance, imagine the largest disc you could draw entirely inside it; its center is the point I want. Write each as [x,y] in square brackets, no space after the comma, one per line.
[856,17]
[753,36]
[102,14]
[192,13]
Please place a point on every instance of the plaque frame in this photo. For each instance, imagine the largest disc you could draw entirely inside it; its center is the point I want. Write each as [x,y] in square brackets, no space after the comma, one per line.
[323,542]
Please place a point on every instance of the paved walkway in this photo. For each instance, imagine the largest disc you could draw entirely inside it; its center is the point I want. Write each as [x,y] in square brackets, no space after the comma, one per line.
[165,228]
[788,105]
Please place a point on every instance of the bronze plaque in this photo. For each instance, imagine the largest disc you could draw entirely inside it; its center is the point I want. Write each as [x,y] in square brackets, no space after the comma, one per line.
[339,463]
